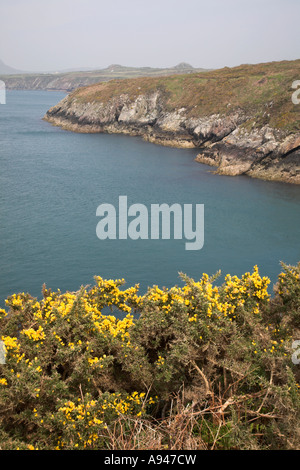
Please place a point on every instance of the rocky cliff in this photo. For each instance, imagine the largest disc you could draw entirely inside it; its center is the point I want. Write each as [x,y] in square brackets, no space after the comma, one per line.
[255,132]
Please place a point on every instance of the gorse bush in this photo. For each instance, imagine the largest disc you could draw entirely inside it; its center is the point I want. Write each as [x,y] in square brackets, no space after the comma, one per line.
[193,367]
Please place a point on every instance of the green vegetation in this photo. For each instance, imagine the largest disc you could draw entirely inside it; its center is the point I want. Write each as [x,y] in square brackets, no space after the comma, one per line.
[193,367]
[262,91]
[71,80]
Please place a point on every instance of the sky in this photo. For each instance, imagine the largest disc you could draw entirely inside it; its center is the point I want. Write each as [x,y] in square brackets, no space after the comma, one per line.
[52,35]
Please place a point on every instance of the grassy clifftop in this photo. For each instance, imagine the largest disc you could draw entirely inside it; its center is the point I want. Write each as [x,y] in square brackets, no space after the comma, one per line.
[70,80]
[263,91]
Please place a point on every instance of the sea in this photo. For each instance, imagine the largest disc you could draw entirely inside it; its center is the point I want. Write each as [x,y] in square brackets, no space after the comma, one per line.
[52,181]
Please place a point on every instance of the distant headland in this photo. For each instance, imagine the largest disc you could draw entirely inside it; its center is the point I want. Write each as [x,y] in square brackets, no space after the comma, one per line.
[68,80]
[244,120]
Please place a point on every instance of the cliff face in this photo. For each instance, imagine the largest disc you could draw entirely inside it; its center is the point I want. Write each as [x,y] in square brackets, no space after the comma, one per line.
[264,153]
[145,116]
[225,140]
[50,82]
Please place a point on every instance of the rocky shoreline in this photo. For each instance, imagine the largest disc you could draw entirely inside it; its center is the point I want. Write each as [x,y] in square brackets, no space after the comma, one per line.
[224,141]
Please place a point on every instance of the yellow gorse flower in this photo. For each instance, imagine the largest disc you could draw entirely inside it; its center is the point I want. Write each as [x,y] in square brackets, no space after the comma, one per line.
[35,335]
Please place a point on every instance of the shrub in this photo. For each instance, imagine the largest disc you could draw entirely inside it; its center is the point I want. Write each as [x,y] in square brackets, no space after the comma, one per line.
[215,360]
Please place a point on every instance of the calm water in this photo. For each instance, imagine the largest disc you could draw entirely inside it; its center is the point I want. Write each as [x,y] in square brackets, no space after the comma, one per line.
[52,181]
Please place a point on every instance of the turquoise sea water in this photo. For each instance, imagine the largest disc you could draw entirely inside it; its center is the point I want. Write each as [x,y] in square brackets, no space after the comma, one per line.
[52,181]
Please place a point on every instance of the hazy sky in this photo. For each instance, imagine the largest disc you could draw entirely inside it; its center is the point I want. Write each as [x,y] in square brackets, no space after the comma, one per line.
[42,35]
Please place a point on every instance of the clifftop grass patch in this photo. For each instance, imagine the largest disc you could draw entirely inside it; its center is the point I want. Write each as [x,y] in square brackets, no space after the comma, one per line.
[263,91]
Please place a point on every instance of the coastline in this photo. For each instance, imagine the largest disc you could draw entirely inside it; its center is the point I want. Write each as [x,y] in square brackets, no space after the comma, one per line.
[244,120]
[223,141]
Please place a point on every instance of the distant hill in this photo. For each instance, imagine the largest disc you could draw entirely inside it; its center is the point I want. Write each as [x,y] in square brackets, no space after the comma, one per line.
[69,80]
[7,70]
[184,66]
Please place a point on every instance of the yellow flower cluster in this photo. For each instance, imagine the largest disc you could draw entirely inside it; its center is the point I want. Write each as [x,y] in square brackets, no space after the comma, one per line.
[288,280]
[35,335]
[107,292]
[201,298]
[71,342]
[3,312]
[165,299]
[11,343]
[197,299]
[15,300]
[110,325]
[91,414]
[249,287]
[160,361]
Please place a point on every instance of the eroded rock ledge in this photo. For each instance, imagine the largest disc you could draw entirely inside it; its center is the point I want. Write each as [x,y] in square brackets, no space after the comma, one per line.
[224,142]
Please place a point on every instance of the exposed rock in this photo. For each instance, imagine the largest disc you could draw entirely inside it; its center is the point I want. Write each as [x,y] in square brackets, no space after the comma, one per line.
[144,110]
[264,153]
[223,141]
